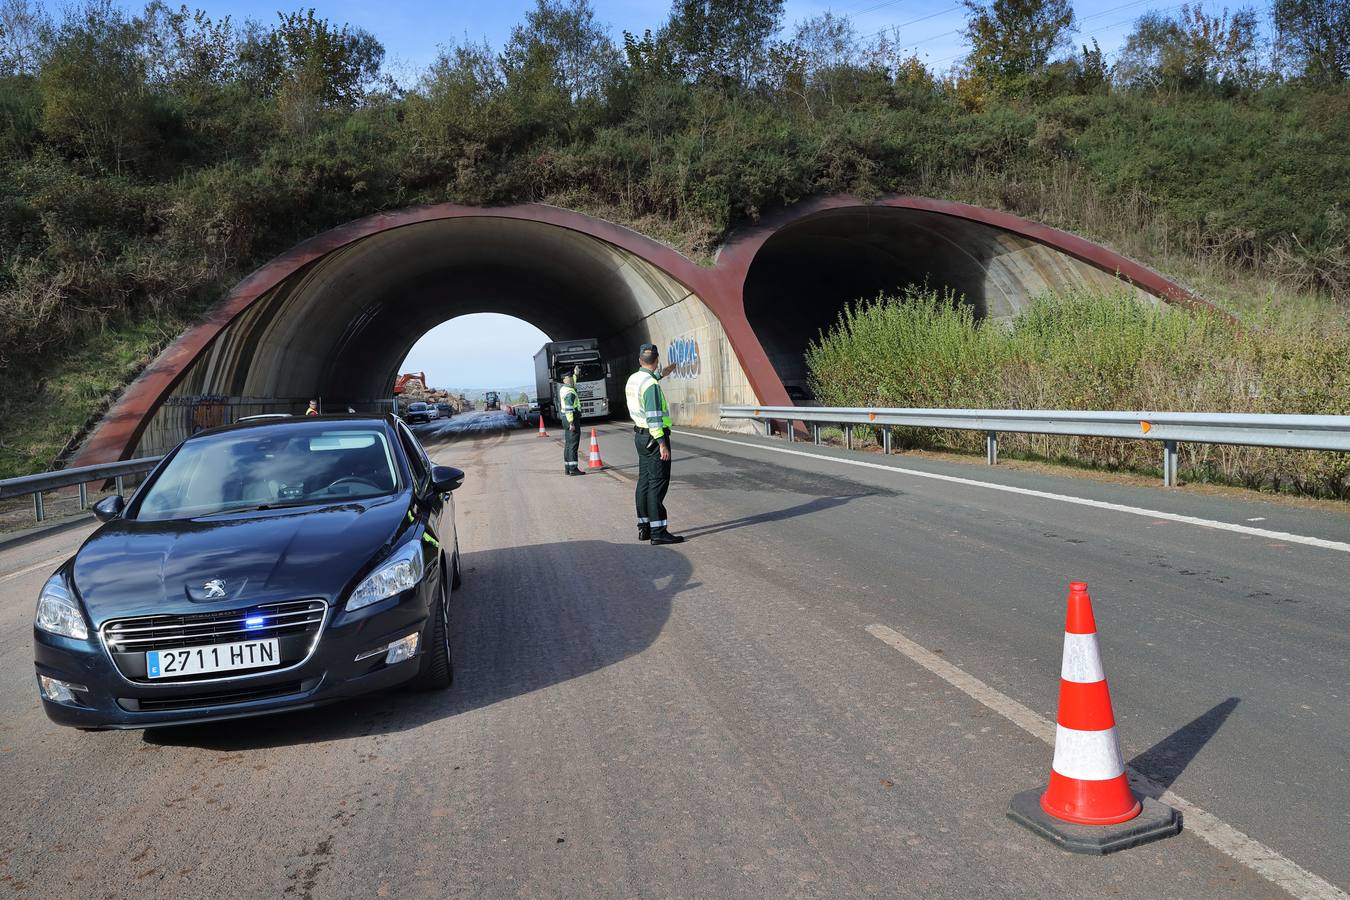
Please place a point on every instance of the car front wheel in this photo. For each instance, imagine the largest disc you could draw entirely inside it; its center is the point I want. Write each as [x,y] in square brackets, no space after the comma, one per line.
[436,672]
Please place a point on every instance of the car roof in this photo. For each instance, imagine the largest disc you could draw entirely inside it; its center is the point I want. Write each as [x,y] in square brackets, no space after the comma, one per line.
[280,425]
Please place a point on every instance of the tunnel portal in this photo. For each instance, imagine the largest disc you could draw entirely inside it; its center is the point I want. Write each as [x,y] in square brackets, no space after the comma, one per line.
[809,270]
[335,316]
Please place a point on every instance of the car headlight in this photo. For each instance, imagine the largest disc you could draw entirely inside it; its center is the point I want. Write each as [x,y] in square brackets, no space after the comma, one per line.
[397,574]
[57,611]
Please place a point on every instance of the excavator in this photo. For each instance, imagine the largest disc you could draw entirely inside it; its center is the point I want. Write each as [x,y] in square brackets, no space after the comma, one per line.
[402,380]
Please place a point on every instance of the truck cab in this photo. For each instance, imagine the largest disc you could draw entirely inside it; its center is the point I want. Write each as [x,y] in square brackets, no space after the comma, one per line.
[581,357]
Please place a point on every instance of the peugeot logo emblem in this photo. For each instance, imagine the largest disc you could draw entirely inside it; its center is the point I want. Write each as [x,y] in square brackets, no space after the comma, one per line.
[215,588]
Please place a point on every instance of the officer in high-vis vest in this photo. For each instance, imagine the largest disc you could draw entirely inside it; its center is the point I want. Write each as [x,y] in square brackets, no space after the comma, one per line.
[571,416]
[650,413]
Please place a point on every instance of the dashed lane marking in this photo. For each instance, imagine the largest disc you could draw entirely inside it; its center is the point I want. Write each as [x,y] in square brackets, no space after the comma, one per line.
[1046,495]
[1267,863]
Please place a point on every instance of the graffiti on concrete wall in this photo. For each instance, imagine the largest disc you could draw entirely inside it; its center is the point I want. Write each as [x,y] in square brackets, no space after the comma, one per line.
[683,352]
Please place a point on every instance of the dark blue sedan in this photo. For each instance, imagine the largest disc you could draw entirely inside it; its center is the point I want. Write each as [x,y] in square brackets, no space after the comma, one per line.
[263,566]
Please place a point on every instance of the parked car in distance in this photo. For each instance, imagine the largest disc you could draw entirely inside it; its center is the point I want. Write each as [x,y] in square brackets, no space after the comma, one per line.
[445,410]
[432,411]
[417,413]
[297,562]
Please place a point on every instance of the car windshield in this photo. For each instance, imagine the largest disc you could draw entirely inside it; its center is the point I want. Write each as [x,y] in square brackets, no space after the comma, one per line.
[295,465]
[417,407]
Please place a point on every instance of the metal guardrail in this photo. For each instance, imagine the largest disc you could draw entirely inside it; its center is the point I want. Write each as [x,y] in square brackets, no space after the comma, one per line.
[81,477]
[1168,428]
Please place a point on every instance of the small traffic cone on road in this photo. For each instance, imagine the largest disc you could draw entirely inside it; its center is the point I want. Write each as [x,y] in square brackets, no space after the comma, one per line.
[1088,806]
[542,432]
[595,462]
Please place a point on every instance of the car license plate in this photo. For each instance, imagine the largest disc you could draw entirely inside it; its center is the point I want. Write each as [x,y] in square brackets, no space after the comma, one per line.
[213,658]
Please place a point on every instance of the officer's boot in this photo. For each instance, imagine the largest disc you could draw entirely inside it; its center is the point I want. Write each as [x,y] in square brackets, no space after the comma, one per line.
[644,531]
[662,536]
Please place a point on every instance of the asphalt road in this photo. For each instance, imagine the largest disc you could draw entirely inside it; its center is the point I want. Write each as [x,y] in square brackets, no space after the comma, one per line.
[715,719]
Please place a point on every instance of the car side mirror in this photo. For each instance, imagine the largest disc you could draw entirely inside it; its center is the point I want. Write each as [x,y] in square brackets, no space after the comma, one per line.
[109,508]
[445,479]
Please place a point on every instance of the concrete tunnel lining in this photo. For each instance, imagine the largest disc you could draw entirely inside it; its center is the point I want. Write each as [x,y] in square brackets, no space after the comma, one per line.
[342,327]
[807,271]
[352,300]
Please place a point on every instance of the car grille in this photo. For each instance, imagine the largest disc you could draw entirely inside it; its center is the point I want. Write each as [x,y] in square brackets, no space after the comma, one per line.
[216,698]
[170,632]
[294,623]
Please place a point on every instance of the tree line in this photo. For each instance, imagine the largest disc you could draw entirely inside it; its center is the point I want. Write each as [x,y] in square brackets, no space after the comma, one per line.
[108,85]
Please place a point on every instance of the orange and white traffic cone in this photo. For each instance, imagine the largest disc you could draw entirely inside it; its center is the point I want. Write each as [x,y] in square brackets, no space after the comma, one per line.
[1088,806]
[542,432]
[595,462]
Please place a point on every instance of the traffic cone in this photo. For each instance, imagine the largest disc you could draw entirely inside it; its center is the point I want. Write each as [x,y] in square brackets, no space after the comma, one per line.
[542,432]
[1088,806]
[595,462]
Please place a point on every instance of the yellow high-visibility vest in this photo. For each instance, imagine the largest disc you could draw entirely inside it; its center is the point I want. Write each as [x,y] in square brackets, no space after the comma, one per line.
[647,405]
[568,398]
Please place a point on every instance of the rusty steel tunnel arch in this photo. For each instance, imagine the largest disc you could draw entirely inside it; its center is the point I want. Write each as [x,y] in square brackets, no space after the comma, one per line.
[336,314]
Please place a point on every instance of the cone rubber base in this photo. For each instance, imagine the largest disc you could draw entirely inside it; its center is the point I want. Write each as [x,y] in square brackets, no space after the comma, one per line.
[1155,822]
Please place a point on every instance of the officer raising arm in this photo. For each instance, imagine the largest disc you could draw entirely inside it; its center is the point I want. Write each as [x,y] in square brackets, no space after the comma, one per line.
[571,413]
[650,413]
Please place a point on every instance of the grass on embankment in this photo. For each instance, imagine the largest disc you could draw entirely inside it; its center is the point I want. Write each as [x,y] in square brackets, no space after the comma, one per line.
[1095,351]
[43,408]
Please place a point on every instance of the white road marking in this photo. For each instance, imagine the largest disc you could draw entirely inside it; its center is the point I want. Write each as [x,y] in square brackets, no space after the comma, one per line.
[34,567]
[1269,864]
[1047,495]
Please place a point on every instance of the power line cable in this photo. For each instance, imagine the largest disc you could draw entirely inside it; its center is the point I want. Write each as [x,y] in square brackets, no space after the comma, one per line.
[863,12]
[894,25]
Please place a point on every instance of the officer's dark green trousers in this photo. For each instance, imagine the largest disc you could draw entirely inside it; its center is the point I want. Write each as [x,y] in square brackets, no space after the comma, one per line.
[653,481]
[571,440]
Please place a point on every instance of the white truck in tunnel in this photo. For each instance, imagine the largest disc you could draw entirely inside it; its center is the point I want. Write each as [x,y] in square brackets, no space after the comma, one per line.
[558,358]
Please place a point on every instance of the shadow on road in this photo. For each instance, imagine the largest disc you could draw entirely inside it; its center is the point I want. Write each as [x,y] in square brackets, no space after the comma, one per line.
[1166,760]
[747,475]
[819,504]
[525,620]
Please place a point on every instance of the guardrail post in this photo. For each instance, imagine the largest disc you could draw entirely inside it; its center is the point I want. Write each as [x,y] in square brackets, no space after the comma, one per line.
[886,440]
[118,482]
[848,437]
[84,495]
[815,433]
[38,510]
[1169,463]
[991,447]
[792,431]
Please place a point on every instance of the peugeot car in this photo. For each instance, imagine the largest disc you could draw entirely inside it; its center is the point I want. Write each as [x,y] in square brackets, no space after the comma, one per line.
[263,566]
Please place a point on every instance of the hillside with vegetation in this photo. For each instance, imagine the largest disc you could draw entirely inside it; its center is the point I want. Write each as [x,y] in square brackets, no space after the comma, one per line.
[148,161]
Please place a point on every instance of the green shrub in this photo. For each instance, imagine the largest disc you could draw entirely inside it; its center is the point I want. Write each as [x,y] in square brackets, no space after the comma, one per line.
[1084,350]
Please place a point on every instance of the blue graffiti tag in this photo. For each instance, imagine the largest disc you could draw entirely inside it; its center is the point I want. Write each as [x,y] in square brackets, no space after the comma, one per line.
[683,352]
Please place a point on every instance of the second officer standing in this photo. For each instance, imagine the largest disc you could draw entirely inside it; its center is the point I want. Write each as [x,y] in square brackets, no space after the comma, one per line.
[571,416]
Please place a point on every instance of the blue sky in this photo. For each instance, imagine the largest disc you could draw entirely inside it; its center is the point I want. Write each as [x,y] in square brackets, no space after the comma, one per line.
[485,351]
[412,30]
